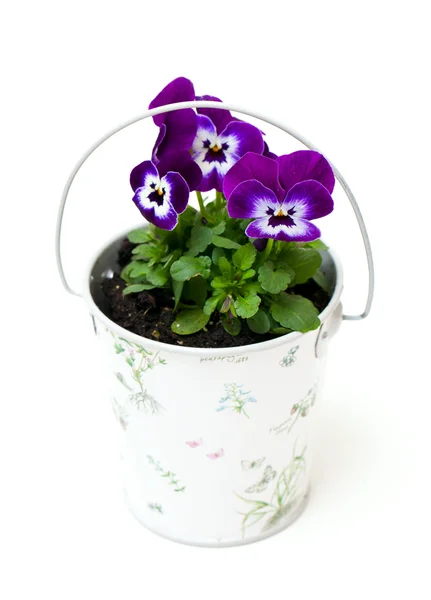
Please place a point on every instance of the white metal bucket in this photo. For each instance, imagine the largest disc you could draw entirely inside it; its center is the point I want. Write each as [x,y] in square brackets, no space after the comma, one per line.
[216,442]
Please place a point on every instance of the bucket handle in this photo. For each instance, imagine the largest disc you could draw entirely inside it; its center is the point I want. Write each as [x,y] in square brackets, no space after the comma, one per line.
[220,105]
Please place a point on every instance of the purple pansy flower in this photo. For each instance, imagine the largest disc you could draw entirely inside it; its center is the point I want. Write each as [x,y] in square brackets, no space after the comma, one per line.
[159,197]
[217,151]
[216,138]
[177,132]
[282,195]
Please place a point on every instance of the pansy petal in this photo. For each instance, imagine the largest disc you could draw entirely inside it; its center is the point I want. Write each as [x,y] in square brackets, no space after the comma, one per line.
[253,166]
[182,163]
[303,165]
[179,131]
[242,138]
[178,90]
[176,191]
[251,199]
[267,152]
[161,215]
[308,200]
[293,230]
[142,175]
[219,116]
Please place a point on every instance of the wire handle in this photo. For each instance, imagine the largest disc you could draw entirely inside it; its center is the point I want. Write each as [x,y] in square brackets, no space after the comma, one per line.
[220,105]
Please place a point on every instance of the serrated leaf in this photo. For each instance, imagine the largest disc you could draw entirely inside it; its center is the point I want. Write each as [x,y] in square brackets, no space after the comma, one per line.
[225,267]
[274,280]
[200,238]
[140,236]
[211,303]
[304,261]
[157,275]
[231,325]
[134,270]
[247,306]
[244,257]
[189,321]
[295,312]
[222,242]
[187,267]
[248,274]
[259,323]
[219,283]
[137,287]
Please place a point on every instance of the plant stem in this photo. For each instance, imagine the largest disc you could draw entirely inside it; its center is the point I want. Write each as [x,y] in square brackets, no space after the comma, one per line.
[266,252]
[201,204]
[219,201]
[179,230]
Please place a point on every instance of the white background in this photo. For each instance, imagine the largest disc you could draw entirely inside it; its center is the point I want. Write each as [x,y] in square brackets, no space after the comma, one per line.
[352,77]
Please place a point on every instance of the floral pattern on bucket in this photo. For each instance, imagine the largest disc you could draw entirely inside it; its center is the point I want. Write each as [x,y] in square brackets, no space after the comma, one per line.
[236,399]
[290,358]
[286,494]
[299,409]
[139,361]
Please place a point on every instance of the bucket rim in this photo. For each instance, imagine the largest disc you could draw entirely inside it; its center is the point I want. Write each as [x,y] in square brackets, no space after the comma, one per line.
[204,352]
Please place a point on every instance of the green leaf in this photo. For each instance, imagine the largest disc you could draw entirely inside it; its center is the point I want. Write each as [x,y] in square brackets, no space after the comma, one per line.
[295,312]
[220,283]
[247,306]
[222,242]
[317,245]
[177,287]
[140,236]
[304,261]
[219,228]
[248,274]
[322,281]
[134,270]
[259,323]
[200,237]
[211,303]
[187,267]
[225,268]
[188,217]
[217,254]
[244,257]
[157,275]
[189,320]
[231,325]
[274,280]
[137,287]
[195,291]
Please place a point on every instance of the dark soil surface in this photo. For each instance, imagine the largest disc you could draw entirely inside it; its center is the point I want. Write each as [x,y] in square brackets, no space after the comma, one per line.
[149,313]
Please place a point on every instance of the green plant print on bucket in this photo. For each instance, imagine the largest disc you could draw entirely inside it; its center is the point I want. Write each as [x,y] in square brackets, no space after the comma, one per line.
[283,500]
[235,399]
[170,477]
[139,361]
[299,409]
